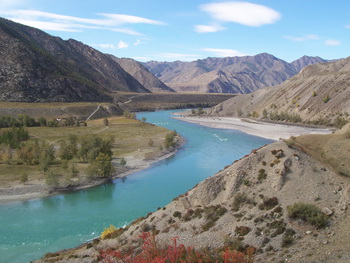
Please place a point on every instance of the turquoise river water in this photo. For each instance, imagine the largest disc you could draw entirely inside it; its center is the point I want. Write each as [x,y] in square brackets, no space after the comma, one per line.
[29,229]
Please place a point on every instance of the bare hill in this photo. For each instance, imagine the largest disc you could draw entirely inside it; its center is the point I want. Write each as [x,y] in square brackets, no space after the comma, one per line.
[304,61]
[250,203]
[319,94]
[37,67]
[227,75]
[142,75]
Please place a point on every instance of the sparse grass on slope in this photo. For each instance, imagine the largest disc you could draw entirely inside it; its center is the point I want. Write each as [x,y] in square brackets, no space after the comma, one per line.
[330,149]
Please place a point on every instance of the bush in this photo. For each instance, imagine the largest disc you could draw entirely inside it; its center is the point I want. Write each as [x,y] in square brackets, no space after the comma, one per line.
[326,99]
[240,200]
[308,213]
[151,251]
[111,232]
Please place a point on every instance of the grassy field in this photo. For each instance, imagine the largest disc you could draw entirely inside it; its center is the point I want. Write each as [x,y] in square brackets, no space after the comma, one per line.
[131,138]
[330,149]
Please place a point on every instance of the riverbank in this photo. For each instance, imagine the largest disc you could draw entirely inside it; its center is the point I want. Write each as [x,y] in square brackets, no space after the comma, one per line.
[268,130]
[38,188]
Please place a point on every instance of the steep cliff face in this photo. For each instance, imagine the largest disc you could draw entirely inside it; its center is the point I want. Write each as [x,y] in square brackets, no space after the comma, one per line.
[38,67]
[229,74]
[319,94]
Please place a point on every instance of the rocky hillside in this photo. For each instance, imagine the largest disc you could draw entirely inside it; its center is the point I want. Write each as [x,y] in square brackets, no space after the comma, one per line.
[37,67]
[227,75]
[142,75]
[279,200]
[319,94]
[304,61]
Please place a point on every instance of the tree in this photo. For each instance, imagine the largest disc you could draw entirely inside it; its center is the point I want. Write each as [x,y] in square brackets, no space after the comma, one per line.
[265,114]
[123,162]
[102,167]
[42,121]
[26,155]
[24,178]
[73,170]
[143,119]
[51,179]
[150,142]
[105,121]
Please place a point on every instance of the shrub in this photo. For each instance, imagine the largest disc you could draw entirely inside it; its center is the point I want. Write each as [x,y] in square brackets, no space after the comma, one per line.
[268,203]
[240,200]
[152,252]
[326,99]
[308,213]
[111,232]
[177,214]
[287,238]
[212,214]
[242,230]
[262,174]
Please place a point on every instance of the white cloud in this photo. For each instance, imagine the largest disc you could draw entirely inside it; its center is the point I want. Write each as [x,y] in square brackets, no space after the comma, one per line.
[244,13]
[300,39]
[224,52]
[105,46]
[208,28]
[137,42]
[141,58]
[57,22]
[332,42]
[127,31]
[122,44]
[5,4]
[127,19]
[175,56]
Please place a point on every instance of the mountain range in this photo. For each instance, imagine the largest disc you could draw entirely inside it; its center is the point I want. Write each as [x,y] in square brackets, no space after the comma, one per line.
[228,75]
[38,67]
[319,94]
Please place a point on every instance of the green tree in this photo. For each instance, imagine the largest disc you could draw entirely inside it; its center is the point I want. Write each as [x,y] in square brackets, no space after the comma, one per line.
[123,162]
[24,178]
[74,172]
[42,121]
[101,168]
[105,122]
[265,114]
[51,179]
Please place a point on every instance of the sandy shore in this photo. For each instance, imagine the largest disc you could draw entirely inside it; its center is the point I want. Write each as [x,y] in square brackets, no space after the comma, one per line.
[38,189]
[266,130]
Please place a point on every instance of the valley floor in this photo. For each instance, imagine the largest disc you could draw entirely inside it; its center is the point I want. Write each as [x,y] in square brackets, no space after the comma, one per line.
[268,130]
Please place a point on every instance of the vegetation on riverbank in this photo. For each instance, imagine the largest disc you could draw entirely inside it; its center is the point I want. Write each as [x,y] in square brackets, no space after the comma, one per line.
[78,153]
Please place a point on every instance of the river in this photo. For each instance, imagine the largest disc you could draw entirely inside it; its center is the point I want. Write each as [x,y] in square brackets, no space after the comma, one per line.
[29,229]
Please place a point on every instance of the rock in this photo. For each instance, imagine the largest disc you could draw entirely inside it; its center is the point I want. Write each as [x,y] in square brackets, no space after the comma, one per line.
[308,232]
[287,163]
[325,242]
[327,211]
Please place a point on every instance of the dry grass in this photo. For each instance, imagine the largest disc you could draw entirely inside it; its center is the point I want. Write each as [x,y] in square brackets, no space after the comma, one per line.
[330,149]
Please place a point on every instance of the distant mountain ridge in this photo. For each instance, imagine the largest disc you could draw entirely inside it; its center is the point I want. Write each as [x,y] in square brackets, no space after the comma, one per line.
[37,67]
[319,94]
[229,74]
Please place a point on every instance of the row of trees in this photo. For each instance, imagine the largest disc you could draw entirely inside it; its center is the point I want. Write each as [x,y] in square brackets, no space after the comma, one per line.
[27,121]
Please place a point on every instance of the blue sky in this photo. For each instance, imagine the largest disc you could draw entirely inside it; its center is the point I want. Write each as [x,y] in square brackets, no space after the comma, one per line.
[187,30]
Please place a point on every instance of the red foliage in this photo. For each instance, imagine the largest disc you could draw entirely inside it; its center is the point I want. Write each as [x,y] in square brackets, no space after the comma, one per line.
[174,253]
